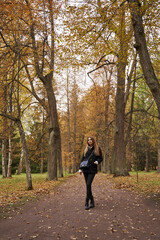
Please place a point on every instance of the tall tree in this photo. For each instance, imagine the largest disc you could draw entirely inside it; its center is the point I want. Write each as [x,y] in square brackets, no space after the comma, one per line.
[142,49]
[4,157]
[9,170]
[68,124]
[47,78]
[20,165]
[18,122]
[13,48]
[119,167]
[4,135]
[74,107]
[107,34]
[106,161]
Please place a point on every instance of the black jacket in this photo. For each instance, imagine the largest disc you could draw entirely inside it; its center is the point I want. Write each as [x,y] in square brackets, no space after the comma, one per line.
[92,167]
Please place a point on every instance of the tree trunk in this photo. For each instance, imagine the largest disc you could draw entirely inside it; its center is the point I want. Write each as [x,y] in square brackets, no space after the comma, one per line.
[26,155]
[106,162]
[60,165]
[79,152]
[147,161]
[9,170]
[20,166]
[141,46]
[74,125]
[42,149]
[129,156]
[54,131]
[119,166]
[68,126]
[127,138]
[158,169]
[42,153]
[74,141]
[147,155]
[4,134]
[42,160]
[131,114]
[4,158]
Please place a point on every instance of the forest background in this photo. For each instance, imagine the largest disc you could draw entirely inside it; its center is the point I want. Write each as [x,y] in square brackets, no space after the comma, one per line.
[48,50]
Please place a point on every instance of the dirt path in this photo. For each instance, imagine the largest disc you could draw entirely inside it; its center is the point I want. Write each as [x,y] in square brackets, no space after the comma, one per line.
[117,214]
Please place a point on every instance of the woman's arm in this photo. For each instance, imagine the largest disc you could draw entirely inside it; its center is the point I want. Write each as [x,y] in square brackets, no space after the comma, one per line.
[99,158]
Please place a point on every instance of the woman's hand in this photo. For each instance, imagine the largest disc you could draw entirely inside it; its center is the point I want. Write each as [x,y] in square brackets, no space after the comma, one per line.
[96,162]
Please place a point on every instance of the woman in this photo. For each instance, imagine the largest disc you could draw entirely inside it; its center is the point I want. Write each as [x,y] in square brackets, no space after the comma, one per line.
[94,153]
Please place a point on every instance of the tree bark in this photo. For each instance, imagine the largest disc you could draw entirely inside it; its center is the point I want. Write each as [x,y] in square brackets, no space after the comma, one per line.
[17,120]
[42,160]
[60,165]
[68,126]
[132,107]
[74,143]
[20,166]
[4,133]
[129,156]
[146,153]
[158,169]
[42,153]
[26,155]
[141,47]
[74,125]
[54,131]
[119,166]
[106,161]
[9,170]
[4,158]
[25,148]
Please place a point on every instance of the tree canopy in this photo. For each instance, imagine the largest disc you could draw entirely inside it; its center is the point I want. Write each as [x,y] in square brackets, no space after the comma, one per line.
[72,69]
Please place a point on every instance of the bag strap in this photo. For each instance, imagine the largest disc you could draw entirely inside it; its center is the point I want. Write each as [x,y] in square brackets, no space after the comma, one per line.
[90,155]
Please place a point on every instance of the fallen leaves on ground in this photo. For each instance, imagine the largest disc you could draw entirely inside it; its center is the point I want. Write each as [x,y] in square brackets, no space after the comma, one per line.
[148,183]
[13,189]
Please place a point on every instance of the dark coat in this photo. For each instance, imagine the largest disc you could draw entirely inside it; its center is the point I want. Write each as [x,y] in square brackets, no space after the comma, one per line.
[92,167]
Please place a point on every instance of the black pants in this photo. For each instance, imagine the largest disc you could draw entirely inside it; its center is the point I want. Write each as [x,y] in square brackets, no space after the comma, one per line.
[89,179]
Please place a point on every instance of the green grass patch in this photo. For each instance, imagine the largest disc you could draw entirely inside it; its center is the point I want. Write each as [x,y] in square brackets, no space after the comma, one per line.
[145,182]
[14,189]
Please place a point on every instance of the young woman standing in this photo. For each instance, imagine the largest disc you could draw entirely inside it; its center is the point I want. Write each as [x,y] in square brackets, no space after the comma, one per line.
[94,153]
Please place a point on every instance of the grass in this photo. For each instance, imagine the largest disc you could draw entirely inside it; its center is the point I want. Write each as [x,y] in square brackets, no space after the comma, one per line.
[14,189]
[148,182]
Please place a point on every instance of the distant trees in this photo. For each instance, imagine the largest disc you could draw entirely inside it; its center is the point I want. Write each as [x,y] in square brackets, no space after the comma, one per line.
[33,46]
[45,47]
[107,30]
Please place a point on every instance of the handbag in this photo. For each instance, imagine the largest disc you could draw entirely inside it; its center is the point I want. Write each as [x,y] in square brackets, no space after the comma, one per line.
[85,163]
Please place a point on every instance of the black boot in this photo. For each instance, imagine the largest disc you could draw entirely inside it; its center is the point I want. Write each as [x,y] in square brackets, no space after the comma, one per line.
[87,205]
[92,203]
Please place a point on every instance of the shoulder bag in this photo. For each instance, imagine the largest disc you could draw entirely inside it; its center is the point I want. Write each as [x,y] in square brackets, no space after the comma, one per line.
[86,163]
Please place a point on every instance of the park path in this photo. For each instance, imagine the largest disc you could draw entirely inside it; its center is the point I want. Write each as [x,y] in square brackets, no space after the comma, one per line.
[118,214]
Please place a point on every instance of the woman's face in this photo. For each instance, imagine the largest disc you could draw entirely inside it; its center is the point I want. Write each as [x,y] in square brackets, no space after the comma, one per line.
[90,142]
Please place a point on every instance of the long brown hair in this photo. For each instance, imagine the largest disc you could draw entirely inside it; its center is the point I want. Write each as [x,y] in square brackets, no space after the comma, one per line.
[96,148]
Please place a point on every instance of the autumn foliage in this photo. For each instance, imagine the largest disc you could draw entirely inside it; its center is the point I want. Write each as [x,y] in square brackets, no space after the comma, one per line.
[69,71]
